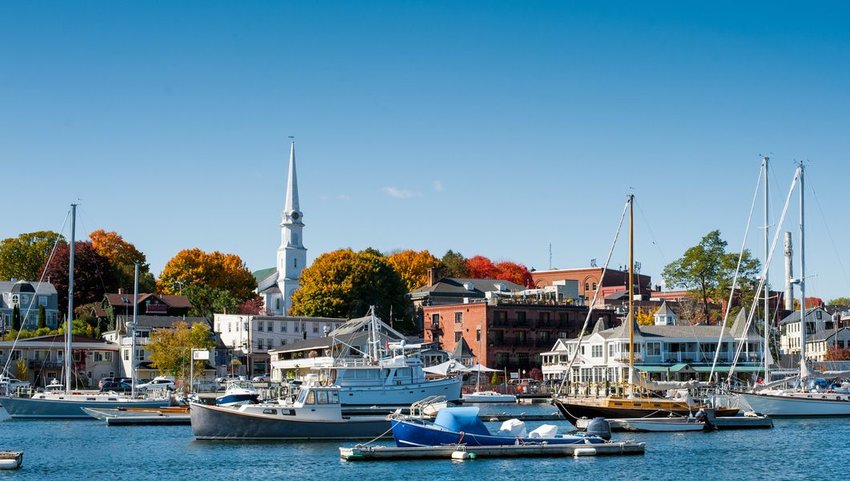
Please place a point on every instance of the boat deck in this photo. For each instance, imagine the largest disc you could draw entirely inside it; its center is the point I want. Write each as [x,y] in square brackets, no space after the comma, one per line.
[388,453]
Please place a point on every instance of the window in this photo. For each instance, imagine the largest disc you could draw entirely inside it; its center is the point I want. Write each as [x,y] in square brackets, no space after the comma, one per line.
[15,299]
[458,317]
[295,263]
[612,349]
[283,342]
[297,326]
[458,336]
[478,335]
[435,320]
[596,351]
[283,326]
[277,303]
[245,326]
[42,301]
[315,328]
[140,354]
[311,398]
[653,348]
[259,344]
[594,286]
[586,286]
[126,354]
[229,327]
[323,397]
[520,316]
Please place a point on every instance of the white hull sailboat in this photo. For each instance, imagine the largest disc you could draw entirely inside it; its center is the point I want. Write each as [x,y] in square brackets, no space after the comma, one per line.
[798,402]
[69,404]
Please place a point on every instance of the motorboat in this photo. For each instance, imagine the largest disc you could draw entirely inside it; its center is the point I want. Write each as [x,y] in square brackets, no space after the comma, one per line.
[665,425]
[238,392]
[488,397]
[462,426]
[315,414]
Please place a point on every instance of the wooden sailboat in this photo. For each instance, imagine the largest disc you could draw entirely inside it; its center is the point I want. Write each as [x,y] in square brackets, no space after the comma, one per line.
[634,404]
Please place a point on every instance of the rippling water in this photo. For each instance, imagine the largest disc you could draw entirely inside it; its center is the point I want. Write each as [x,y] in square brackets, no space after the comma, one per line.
[794,449]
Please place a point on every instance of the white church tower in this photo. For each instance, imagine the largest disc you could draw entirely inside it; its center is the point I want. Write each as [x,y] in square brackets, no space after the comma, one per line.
[291,255]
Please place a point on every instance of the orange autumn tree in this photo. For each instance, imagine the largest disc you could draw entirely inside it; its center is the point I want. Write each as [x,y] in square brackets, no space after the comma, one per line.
[413,267]
[122,256]
[206,277]
[480,267]
[513,272]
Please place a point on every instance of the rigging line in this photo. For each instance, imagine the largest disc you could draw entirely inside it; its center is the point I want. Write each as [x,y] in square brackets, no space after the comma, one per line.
[40,281]
[595,297]
[761,285]
[652,234]
[735,277]
[828,231]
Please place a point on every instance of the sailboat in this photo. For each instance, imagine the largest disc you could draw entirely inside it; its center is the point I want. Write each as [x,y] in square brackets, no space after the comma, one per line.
[799,402]
[66,403]
[632,405]
[480,396]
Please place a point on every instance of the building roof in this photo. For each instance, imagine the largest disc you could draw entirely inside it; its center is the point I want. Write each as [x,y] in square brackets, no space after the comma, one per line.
[461,350]
[665,310]
[44,288]
[457,287]
[160,322]
[810,312]
[266,279]
[126,300]
[843,333]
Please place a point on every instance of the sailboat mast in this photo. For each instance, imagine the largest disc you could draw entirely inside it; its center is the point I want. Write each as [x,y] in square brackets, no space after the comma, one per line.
[804,370]
[766,354]
[69,326]
[631,290]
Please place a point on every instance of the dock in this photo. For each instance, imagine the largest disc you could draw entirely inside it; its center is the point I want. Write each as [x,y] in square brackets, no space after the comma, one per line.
[389,453]
[141,417]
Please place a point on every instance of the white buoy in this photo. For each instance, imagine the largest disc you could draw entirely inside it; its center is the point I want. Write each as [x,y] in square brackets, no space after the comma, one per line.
[584,452]
[462,455]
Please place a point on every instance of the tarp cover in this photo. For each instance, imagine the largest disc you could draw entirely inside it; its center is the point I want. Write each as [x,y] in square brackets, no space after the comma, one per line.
[461,419]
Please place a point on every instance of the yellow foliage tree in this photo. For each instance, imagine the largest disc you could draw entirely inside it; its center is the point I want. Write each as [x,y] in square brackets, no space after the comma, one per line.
[645,317]
[213,270]
[171,348]
[413,267]
[122,256]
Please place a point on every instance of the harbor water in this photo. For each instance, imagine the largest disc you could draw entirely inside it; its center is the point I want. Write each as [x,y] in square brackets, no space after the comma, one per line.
[69,450]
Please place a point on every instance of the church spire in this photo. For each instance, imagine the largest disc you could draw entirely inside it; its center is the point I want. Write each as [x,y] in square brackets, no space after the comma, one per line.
[291,184]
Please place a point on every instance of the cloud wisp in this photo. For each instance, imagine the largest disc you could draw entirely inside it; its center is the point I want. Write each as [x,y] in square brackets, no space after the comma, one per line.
[397,193]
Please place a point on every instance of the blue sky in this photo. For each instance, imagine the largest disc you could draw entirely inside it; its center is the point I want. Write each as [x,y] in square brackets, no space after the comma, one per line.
[492,128]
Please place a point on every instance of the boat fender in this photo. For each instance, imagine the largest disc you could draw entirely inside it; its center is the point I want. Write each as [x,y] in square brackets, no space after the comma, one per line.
[584,452]
[462,455]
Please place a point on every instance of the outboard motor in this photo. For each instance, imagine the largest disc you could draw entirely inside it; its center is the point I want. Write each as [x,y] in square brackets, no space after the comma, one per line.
[599,427]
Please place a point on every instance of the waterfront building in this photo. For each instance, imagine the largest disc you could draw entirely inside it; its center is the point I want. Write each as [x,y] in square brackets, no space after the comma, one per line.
[589,278]
[818,321]
[250,338]
[507,332]
[28,296]
[44,358]
[667,350]
[275,285]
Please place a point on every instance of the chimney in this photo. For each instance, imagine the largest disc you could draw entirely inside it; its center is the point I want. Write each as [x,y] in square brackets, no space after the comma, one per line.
[120,291]
[433,275]
[789,273]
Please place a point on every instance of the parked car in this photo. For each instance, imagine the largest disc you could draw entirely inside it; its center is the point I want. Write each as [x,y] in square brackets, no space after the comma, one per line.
[159,382]
[115,386]
[261,378]
[230,377]
[9,384]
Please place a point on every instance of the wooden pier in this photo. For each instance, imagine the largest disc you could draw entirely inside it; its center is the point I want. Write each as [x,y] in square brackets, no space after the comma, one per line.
[389,453]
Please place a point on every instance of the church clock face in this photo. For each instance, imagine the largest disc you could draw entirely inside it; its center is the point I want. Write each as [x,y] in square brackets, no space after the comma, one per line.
[295,215]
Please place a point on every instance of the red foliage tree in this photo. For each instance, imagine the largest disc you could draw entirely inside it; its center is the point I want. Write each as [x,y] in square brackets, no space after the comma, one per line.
[516,273]
[480,267]
[812,302]
[252,307]
[93,274]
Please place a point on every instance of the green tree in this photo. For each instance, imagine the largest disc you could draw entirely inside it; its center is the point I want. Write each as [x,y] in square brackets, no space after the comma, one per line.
[839,301]
[345,283]
[23,371]
[122,257]
[206,301]
[16,318]
[707,271]
[194,267]
[23,257]
[42,318]
[454,264]
[171,348]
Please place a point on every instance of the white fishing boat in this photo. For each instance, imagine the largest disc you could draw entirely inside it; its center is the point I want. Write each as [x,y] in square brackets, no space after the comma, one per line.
[663,425]
[238,392]
[799,401]
[488,397]
[67,403]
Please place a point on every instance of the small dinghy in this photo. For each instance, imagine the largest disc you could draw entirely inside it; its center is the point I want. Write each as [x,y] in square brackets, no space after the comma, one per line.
[11,459]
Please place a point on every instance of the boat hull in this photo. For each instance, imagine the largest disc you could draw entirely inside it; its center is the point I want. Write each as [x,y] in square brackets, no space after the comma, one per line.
[224,423]
[656,425]
[29,408]
[784,405]
[574,410]
[488,397]
[423,433]
[11,459]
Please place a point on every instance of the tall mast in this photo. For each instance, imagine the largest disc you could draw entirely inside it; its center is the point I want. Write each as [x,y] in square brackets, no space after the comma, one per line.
[766,354]
[631,291]
[133,331]
[804,370]
[69,325]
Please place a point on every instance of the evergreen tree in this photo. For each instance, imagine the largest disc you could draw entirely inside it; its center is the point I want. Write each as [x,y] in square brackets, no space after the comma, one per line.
[16,318]
[42,318]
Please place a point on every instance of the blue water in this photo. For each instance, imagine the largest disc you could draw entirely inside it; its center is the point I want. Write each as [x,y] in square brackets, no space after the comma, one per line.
[69,450]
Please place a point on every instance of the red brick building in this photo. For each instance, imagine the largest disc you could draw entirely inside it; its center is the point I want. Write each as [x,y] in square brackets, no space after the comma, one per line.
[588,279]
[507,334]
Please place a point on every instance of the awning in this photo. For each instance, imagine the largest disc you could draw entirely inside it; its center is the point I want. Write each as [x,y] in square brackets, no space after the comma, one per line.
[679,367]
[652,368]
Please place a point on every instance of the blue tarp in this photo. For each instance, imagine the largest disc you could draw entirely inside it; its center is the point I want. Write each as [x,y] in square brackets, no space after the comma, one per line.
[461,419]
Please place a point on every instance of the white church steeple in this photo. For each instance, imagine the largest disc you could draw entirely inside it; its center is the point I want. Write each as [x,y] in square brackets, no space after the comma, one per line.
[291,255]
